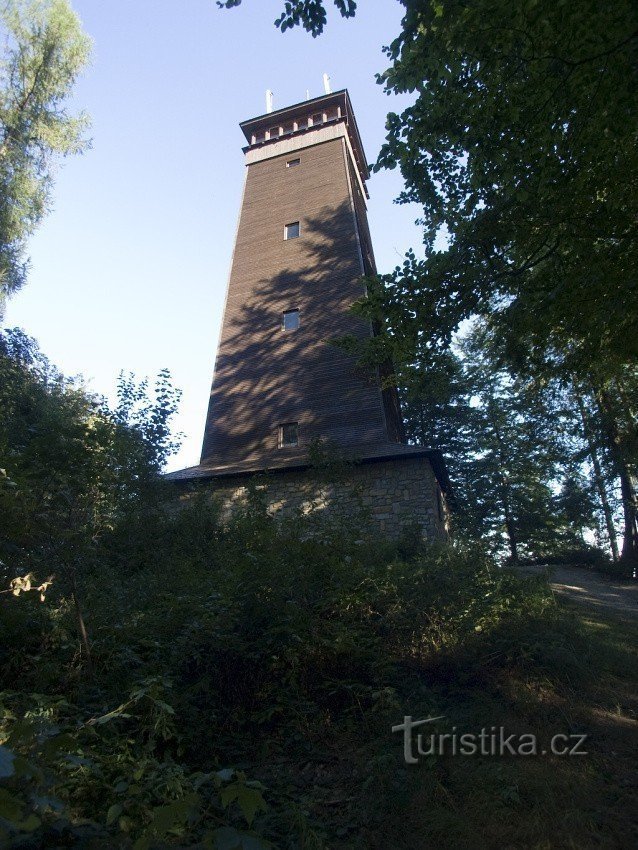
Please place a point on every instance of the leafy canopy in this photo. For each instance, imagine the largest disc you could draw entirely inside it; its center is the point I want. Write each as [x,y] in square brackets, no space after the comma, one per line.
[311,14]
[43,52]
[72,468]
[520,145]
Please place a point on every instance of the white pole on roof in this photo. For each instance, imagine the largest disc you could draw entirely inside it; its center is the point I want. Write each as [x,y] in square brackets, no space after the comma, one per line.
[268,100]
[326,84]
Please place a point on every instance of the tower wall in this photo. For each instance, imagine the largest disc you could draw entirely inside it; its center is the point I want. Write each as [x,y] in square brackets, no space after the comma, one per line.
[390,498]
[280,383]
[264,375]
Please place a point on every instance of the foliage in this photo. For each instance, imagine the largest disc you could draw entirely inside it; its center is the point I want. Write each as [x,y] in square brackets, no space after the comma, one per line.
[311,14]
[240,646]
[256,650]
[44,51]
[138,791]
[243,676]
[517,453]
[520,145]
[72,469]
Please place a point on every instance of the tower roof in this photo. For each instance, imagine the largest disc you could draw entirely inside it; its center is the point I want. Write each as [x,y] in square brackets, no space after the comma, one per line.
[336,106]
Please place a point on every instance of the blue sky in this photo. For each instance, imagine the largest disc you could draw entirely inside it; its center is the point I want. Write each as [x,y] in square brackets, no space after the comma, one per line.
[129,270]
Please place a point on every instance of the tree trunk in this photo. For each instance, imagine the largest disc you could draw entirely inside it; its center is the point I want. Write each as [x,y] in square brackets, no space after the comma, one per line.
[630,542]
[599,480]
[510,525]
[84,637]
[623,469]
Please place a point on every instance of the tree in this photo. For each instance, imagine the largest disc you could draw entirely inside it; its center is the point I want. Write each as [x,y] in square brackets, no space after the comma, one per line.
[575,503]
[604,394]
[512,456]
[44,51]
[71,468]
[521,145]
[617,409]
[434,402]
[599,481]
[505,444]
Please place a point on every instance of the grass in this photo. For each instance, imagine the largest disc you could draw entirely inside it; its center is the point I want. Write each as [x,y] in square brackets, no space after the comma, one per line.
[577,677]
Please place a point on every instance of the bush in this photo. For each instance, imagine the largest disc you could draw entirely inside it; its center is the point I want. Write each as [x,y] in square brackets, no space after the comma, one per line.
[171,680]
[237,647]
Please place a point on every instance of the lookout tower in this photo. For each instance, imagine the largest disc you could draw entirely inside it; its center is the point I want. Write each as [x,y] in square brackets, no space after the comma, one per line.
[279,382]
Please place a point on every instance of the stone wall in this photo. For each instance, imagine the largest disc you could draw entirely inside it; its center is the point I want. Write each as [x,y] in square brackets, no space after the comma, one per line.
[385,497]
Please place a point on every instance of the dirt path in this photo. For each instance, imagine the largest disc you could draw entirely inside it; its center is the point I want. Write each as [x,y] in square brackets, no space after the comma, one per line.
[591,588]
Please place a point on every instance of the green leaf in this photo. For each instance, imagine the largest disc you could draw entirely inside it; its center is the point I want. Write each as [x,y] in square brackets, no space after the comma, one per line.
[65,741]
[113,813]
[226,774]
[111,715]
[249,800]
[125,823]
[166,817]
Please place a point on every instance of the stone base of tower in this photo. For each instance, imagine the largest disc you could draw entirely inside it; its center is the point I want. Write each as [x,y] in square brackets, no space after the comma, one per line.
[382,497]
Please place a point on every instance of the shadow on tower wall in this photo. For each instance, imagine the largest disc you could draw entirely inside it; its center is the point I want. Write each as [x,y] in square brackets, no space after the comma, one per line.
[266,376]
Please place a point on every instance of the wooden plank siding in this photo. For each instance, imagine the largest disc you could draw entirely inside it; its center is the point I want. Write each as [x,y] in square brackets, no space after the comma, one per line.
[265,376]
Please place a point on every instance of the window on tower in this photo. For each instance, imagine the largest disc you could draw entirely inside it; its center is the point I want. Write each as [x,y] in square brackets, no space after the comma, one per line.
[292,162]
[290,320]
[291,231]
[288,434]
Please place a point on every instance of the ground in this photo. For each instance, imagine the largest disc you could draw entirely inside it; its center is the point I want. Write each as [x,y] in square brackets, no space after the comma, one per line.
[586,586]
[576,680]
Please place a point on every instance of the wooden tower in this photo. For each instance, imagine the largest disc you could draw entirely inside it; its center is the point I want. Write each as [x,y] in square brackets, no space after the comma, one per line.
[301,250]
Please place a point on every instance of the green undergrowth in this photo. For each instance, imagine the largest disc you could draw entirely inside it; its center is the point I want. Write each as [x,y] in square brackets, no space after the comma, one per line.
[245,679]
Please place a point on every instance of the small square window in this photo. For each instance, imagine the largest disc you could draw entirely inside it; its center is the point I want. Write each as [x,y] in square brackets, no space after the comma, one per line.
[292,162]
[317,119]
[273,133]
[290,320]
[288,434]
[291,231]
